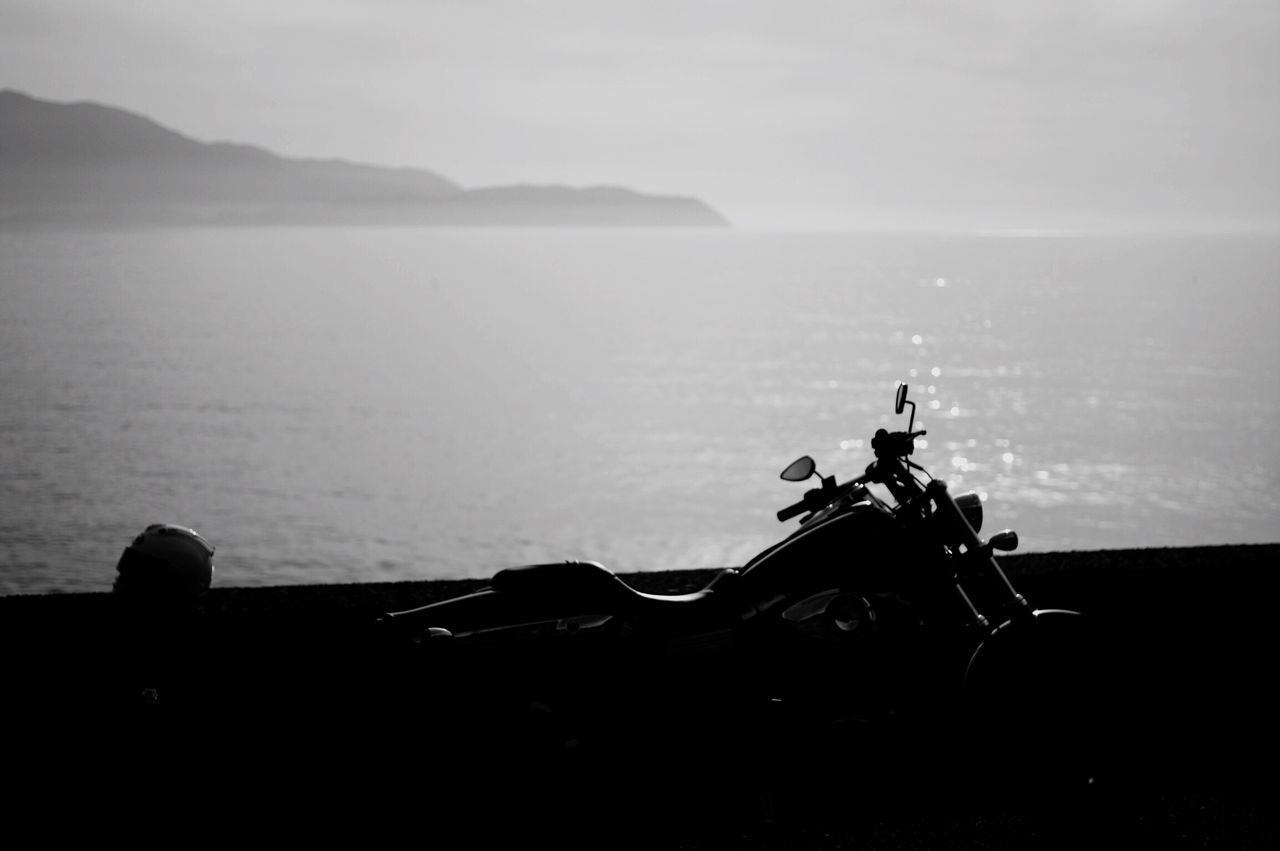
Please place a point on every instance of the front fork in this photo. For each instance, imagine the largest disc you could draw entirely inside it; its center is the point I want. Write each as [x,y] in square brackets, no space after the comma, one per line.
[977,554]
[1027,655]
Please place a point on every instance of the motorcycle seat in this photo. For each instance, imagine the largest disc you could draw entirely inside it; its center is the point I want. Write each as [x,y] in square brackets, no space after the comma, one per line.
[591,583]
[711,596]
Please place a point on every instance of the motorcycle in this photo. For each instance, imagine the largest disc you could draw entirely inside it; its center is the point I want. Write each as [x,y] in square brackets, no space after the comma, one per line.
[874,614]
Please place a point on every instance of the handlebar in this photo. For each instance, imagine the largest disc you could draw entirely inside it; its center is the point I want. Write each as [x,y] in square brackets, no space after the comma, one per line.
[793,510]
[824,496]
[897,444]
[891,450]
[891,468]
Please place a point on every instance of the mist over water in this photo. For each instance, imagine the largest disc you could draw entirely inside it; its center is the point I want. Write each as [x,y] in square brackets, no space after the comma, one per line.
[331,405]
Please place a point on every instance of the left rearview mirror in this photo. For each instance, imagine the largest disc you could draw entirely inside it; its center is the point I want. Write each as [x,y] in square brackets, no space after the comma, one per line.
[799,469]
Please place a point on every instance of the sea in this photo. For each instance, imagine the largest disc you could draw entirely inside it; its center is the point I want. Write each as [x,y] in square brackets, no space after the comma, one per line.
[332,405]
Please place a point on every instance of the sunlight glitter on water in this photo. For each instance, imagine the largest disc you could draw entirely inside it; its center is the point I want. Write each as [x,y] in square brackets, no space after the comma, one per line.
[627,397]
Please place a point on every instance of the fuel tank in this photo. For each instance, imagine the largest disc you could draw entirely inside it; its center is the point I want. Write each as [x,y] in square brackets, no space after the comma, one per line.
[830,625]
[863,546]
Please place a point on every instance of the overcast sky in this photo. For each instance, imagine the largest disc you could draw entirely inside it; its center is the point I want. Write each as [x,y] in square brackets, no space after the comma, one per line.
[1002,113]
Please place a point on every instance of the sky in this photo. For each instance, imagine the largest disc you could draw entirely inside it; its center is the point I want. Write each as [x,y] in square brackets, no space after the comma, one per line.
[980,114]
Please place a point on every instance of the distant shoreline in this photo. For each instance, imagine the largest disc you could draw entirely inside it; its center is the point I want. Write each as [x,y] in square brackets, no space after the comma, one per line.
[91,163]
[24,220]
[442,214]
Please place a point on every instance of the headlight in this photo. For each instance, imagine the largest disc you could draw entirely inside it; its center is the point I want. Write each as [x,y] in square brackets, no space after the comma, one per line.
[971,507]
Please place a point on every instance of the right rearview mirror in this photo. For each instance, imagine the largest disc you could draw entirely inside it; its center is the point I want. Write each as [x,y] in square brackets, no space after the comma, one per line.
[1006,541]
[799,469]
[900,401]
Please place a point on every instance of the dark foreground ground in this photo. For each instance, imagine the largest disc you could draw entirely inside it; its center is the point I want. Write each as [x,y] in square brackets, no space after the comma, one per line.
[271,716]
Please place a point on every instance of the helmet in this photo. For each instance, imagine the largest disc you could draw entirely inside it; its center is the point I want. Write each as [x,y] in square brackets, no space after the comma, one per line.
[165,562]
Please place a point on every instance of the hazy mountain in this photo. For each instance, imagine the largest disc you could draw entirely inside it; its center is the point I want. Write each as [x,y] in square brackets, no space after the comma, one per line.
[84,162]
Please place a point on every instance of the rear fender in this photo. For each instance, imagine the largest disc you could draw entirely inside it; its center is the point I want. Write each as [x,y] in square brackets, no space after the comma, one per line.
[490,614]
[479,607]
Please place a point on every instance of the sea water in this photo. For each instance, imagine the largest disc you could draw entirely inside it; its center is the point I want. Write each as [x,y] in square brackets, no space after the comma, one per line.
[338,405]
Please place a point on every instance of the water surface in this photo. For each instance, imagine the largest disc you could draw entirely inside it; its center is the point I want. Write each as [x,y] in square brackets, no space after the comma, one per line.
[368,404]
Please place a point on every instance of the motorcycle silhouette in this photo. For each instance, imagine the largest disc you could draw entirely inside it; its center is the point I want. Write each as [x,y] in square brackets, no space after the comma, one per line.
[876,613]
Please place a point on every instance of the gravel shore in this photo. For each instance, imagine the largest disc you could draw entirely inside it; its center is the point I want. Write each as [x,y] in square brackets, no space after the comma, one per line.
[292,745]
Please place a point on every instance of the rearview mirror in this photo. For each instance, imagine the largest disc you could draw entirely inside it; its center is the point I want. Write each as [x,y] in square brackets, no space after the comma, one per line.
[1006,541]
[799,469]
[900,401]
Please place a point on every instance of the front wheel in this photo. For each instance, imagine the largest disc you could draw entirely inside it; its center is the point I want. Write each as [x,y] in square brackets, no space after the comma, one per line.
[1033,699]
